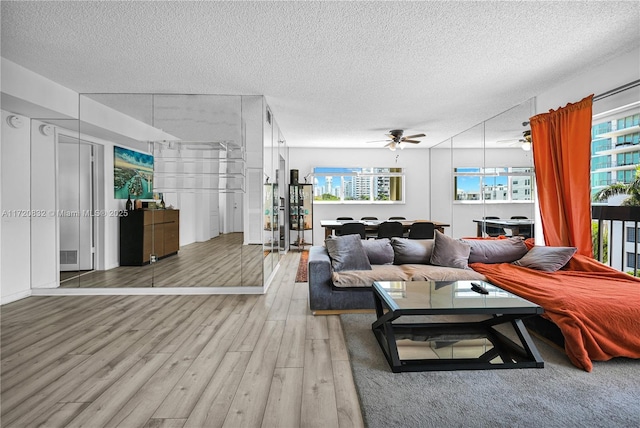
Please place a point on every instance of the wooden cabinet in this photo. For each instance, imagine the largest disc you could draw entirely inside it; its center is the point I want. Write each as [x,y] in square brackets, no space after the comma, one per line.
[148,232]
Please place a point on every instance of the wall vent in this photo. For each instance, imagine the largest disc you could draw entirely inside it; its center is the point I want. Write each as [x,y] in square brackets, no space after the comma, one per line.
[68,257]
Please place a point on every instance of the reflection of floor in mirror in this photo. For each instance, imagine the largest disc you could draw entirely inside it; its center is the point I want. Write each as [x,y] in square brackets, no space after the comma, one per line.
[219,262]
[72,274]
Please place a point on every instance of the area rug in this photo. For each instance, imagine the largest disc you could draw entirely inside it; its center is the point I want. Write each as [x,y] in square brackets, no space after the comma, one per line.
[558,395]
[301,274]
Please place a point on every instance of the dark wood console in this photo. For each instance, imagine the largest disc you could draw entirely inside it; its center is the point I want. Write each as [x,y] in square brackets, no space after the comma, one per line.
[148,232]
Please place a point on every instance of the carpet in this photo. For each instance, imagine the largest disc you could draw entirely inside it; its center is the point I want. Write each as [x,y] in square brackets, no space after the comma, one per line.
[301,274]
[558,395]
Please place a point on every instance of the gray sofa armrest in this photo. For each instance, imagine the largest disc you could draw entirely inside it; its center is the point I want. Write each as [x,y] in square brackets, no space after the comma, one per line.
[320,284]
[323,296]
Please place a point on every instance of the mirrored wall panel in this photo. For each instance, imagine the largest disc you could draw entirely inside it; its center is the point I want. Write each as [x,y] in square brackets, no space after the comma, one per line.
[153,190]
[486,177]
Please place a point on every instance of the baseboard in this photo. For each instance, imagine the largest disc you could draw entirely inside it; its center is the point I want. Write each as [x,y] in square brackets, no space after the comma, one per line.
[15,297]
[343,311]
[151,291]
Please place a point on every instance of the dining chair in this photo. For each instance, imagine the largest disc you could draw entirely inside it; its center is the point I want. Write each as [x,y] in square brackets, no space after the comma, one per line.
[369,218]
[397,218]
[344,218]
[390,229]
[526,230]
[352,229]
[422,230]
[493,231]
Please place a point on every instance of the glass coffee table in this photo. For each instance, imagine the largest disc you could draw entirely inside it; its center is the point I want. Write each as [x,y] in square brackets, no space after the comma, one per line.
[447,325]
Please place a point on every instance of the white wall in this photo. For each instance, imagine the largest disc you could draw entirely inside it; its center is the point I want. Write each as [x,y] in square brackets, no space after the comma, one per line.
[614,73]
[15,204]
[415,163]
[43,234]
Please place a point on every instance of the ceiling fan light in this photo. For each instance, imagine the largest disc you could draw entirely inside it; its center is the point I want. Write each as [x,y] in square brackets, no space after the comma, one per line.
[392,146]
[526,146]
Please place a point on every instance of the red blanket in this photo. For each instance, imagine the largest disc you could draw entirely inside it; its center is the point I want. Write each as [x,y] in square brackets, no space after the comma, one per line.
[596,307]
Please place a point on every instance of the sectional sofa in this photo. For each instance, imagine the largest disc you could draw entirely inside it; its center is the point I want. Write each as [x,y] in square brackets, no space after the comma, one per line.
[342,271]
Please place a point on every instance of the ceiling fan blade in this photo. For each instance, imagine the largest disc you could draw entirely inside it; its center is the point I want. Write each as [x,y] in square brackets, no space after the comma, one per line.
[413,136]
[411,141]
[390,143]
[377,141]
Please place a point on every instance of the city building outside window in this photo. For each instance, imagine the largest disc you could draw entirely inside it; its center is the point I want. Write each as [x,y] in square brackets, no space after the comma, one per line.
[358,185]
[506,184]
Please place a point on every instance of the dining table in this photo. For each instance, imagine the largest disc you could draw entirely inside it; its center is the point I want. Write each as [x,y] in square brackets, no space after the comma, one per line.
[371,226]
[514,225]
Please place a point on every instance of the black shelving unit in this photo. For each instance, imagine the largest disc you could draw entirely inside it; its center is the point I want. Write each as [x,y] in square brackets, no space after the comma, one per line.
[301,215]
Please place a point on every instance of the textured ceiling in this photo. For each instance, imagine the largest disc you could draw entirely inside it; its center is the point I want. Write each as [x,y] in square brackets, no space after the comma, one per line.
[334,73]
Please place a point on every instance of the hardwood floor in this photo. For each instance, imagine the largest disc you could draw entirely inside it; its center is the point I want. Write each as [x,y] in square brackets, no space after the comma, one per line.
[176,361]
[222,261]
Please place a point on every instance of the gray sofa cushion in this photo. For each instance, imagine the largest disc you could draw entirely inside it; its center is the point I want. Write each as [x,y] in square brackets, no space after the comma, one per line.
[365,278]
[496,250]
[419,272]
[412,250]
[450,252]
[379,251]
[347,253]
[548,259]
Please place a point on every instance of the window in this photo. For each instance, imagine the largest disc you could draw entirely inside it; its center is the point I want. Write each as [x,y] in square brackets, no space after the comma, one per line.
[631,234]
[627,139]
[493,184]
[625,176]
[631,259]
[629,121]
[358,185]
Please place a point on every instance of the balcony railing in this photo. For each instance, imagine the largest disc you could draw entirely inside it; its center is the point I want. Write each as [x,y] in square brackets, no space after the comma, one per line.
[610,243]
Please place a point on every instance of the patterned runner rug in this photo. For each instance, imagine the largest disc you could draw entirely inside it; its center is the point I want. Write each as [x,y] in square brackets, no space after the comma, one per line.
[301,275]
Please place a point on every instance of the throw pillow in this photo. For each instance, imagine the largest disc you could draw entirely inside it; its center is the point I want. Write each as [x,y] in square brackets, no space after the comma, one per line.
[450,252]
[379,251]
[548,259]
[412,251]
[496,250]
[347,253]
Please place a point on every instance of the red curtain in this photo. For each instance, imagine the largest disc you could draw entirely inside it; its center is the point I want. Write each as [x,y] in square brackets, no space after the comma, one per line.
[562,159]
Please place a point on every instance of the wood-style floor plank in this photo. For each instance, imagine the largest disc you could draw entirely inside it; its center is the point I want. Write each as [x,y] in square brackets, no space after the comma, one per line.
[247,408]
[176,361]
[285,398]
[318,395]
[183,397]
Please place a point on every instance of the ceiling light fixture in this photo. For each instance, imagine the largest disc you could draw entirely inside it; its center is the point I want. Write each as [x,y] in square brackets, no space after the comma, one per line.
[526,143]
[392,146]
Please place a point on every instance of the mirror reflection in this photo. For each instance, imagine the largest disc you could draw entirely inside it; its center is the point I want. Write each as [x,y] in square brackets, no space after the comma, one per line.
[491,170]
[162,191]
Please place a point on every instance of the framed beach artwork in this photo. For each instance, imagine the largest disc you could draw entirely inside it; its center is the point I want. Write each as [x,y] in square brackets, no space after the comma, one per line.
[132,174]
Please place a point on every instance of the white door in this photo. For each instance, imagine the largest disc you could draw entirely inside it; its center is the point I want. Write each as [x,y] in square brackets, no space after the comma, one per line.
[236,217]
[75,203]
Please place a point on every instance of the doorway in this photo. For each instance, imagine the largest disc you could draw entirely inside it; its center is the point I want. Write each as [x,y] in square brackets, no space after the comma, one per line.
[76,203]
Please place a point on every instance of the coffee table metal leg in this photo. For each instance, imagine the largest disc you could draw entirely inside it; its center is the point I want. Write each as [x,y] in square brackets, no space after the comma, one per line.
[527,342]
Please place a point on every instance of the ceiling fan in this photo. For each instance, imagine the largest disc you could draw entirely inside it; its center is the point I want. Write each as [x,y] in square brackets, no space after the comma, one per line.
[524,142]
[396,140]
